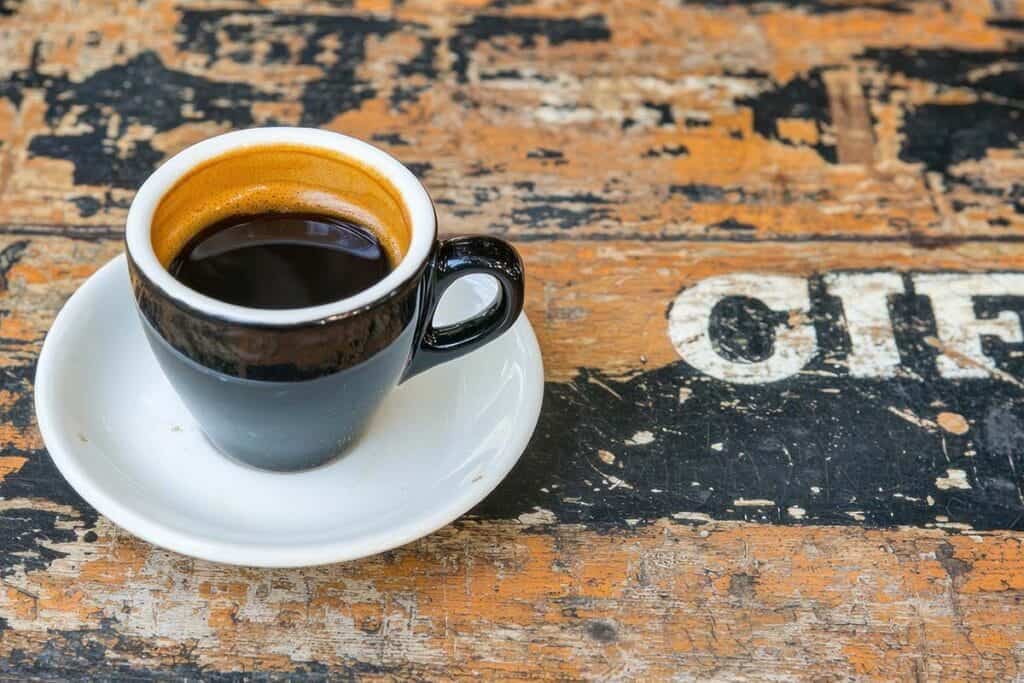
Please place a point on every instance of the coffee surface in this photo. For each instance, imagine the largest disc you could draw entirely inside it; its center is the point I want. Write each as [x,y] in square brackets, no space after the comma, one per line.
[281,260]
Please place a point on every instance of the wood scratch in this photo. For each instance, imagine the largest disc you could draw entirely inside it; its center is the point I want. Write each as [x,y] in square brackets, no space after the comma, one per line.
[594,380]
[615,481]
[909,416]
[1016,478]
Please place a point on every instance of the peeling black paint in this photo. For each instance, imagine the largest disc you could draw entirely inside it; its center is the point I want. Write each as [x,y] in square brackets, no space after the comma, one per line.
[943,135]
[562,217]
[27,530]
[484,27]
[668,151]
[10,256]
[578,198]
[420,169]
[393,139]
[664,111]
[732,224]
[515,75]
[28,534]
[1008,24]
[422,69]
[803,97]
[141,91]
[542,153]
[702,193]
[997,72]
[88,233]
[339,89]
[89,205]
[104,653]
[424,63]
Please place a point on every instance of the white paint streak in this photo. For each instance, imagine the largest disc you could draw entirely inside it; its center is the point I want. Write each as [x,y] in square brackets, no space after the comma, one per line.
[753,502]
[692,516]
[909,416]
[904,497]
[959,330]
[796,512]
[865,298]
[717,446]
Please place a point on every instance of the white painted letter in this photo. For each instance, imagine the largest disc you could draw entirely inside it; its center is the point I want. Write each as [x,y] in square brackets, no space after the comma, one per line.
[865,298]
[959,330]
[795,340]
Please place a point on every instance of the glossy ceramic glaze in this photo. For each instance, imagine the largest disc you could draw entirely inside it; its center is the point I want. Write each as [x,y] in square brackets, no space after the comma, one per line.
[124,440]
[289,389]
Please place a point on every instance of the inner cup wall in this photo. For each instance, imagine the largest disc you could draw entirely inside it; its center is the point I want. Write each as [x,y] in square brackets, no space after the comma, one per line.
[280,178]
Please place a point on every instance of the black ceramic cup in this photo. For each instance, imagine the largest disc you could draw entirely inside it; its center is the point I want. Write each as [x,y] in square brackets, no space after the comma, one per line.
[290,389]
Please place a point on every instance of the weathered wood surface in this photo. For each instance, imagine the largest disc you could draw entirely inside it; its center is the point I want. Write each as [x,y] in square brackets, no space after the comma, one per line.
[677,515]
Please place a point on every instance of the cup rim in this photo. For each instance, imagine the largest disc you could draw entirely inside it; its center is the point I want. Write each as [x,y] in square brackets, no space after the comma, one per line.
[139,245]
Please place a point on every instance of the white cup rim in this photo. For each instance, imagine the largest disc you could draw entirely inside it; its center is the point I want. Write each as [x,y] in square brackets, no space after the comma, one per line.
[139,243]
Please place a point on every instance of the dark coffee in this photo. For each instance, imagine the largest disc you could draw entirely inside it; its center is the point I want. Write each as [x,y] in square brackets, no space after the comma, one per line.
[281,260]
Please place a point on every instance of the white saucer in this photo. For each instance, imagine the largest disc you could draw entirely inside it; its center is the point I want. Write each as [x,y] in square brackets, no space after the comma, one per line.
[124,441]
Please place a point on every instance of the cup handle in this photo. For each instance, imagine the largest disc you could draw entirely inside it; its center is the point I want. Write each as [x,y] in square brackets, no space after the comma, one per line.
[453,259]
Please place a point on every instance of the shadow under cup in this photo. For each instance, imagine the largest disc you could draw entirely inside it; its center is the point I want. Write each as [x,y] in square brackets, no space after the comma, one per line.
[289,389]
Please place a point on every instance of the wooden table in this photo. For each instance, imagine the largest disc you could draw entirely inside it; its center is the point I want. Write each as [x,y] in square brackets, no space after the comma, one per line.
[775,264]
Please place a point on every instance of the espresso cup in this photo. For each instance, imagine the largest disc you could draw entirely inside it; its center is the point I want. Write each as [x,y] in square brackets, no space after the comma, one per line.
[289,389]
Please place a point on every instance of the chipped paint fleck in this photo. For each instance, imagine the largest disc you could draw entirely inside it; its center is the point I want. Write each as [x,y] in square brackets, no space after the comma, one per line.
[954,423]
[539,516]
[954,479]
[641,438]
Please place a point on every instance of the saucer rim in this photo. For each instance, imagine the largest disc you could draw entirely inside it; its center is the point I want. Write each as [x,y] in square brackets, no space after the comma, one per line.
[255,554]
